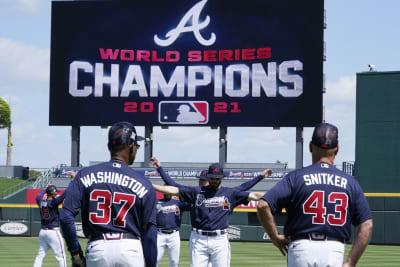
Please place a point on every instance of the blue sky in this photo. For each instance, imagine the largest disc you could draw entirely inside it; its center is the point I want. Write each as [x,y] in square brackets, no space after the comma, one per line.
[358,33]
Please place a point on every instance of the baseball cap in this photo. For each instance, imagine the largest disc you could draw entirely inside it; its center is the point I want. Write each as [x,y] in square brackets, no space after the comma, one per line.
[325,136]
[203,175]
[123,134]
[51,189]
[215,171]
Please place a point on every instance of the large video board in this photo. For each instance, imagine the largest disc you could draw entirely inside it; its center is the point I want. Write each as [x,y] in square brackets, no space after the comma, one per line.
[181,62]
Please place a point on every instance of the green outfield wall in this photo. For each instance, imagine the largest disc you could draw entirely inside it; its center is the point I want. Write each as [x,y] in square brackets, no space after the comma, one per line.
[377,157]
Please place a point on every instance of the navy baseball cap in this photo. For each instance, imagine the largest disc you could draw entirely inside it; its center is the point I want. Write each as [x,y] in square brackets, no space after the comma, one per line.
[215,171]
[203,175]
[51,189]
[325,136]
[123,134]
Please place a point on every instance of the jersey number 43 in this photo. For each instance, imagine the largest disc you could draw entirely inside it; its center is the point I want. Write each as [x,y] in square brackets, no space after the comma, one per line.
[315,205]
[104,200]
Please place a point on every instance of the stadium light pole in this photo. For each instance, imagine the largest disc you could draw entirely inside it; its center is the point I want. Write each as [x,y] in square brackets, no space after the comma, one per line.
[299,147]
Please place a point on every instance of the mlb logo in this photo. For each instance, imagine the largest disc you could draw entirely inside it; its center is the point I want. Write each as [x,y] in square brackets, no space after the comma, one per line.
[183,112]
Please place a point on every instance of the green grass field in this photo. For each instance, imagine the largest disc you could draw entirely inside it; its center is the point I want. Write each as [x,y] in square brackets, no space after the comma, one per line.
[6,183]
[21,252]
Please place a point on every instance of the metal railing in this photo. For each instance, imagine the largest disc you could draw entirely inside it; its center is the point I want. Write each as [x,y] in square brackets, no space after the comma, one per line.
[42,181]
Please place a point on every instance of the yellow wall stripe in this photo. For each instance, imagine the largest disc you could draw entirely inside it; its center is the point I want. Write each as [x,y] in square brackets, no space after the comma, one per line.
[236,210]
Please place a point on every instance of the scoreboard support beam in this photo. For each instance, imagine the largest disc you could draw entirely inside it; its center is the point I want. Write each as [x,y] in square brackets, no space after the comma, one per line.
[223,145]
[299,147]
[148,145]
[75,145]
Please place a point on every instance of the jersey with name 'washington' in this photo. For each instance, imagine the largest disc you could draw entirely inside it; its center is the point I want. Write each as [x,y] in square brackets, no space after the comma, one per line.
[211,208]
[319,198]
[113,198]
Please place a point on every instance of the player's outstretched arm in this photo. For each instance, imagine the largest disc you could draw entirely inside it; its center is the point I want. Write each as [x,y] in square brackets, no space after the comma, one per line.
[249,184]
[167,189]
[255,195]
[166,178]
[360,243]
[40,195]
[267,220]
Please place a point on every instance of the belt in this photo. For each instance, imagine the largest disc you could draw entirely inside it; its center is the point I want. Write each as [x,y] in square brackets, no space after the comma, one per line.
[50,228]
[316,237]
[167,231]
[113,236]
[210,233]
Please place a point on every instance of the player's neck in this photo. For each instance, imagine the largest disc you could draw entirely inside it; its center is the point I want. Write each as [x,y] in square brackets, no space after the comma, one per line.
[328,160]
[119,158]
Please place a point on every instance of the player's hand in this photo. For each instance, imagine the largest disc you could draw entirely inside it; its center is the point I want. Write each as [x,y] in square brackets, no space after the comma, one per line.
[282,243]
[78,260]
[266,173]
[73,174]
[155,162]
[346,264]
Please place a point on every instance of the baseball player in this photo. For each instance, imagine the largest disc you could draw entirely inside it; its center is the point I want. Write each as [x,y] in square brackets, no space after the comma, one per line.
[321,203]
[203,179]
[49,235]
[169,216]
[211,207]
[118,208]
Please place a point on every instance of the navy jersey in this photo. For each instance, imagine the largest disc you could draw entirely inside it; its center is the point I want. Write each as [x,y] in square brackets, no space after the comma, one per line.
[112,198]
[319,198]
[169,213]
[211,208]
[50,216]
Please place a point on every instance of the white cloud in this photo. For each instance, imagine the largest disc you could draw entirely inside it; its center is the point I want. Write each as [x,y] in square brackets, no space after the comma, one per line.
[342,91]
[30,7]
[23,64]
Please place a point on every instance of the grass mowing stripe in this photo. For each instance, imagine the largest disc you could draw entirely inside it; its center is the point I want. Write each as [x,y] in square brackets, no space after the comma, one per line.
[21,252]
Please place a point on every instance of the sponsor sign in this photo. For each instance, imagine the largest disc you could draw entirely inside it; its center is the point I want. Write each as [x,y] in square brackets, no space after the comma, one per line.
[185,173]
[79,229]
[14,228]
[206,63]
[233,232]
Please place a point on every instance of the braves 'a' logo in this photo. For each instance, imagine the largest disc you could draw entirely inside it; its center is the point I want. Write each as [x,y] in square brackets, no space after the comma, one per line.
[189,23]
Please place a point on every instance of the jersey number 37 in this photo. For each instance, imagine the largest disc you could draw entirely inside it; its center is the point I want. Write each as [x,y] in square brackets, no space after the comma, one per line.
[104,200]
[315,205]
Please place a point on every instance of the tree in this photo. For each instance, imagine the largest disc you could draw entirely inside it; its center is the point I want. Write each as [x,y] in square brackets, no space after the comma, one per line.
[5,123]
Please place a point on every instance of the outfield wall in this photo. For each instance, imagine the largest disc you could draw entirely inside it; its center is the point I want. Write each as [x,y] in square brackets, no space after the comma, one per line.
[377,165]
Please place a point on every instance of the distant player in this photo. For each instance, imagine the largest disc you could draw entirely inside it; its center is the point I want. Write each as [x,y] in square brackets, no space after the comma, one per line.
[169,216]
[118,208]
[211,207]
[203,178]
[49,235]
[321,203]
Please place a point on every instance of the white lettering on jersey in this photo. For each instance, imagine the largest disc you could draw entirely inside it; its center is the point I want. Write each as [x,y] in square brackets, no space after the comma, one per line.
[325,178]
[168,209]
[114,178]
[213,202]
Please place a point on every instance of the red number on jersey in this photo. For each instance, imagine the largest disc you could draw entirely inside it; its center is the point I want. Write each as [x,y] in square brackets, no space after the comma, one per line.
[340,208]
[315,205]
[104,201]
[128,200]
[44,212]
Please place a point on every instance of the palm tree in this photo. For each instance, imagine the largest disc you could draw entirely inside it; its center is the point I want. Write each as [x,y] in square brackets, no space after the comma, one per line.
[5,122]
